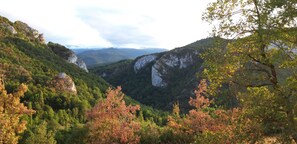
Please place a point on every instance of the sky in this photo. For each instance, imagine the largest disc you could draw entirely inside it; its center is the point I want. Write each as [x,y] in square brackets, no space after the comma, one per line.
[113,23]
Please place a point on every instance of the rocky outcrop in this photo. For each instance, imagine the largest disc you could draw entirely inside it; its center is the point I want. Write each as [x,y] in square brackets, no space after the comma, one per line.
[157,79]
[29,32]
[77,61]
[22,30]
[80,63]
[143,61]
[64,83]
[12,30]
[165,63]
[7,27]
[176,59]
[68,55]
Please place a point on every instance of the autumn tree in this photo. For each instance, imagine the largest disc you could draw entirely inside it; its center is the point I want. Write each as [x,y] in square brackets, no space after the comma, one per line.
[205,124]
[11,110]
[259,64]
[111,121]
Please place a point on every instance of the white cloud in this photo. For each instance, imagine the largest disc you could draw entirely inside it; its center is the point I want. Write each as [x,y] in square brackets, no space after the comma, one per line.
[137,23]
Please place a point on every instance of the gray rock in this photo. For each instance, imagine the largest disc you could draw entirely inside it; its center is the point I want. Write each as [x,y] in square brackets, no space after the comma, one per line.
[103,75]
[68,55]
[166,63]
[185,61]
[12,30]
[31,33]
[143,61]
[80,63]
[172,61]
[62,75]
[77,61]
[72,58]
[157,79]
[35,33]
[64,83]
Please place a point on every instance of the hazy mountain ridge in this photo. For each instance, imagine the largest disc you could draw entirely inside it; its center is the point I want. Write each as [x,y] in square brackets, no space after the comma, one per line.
[105,56]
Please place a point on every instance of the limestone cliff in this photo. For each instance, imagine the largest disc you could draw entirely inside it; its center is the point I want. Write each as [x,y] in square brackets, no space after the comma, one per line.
[176,59]
[143,61]
[67,54]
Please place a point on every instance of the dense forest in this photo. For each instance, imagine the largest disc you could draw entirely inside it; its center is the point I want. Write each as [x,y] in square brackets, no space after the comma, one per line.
[46,99]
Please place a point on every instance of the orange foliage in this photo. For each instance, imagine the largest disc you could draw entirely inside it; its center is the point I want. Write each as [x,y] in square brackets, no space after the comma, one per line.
[111,121]
[11,109]
[203,120]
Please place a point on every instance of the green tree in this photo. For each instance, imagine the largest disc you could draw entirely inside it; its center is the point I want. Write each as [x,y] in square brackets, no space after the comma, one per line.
[39,135]
[259,64]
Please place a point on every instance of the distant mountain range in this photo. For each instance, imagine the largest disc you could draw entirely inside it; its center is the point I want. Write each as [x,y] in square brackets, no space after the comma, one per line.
[93,57]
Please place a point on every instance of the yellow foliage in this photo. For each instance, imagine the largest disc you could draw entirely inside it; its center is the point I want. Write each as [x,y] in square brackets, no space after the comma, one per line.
[11,109]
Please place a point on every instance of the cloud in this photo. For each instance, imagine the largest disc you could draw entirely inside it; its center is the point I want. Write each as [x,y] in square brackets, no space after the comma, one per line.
[56,19]
[116,27]
[118,23]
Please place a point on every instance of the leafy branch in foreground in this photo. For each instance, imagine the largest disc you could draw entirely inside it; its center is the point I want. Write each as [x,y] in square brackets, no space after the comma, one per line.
[259,65]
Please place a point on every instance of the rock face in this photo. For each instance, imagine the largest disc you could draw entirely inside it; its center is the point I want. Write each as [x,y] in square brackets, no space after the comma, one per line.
[68,55]
[80,63]
[163,65]
[10,28]
[64,83]
[177,59]
[75,60]
[157,79]
[20,29]
[143,61]
[7,26]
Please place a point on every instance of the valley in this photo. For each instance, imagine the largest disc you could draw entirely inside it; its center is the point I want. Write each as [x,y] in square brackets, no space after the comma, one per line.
[117,85]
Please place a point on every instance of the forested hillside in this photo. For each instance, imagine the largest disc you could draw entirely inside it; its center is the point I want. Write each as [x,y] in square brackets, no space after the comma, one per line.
[60,92]
[45,97]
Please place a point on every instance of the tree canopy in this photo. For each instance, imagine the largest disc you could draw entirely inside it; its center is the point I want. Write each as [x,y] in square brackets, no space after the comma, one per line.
[259,64]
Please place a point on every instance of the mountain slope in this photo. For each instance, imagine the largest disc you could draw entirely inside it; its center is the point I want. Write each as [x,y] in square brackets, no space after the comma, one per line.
[24,59]
[160,79]
[67,54]
[110,55]
[59,91]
